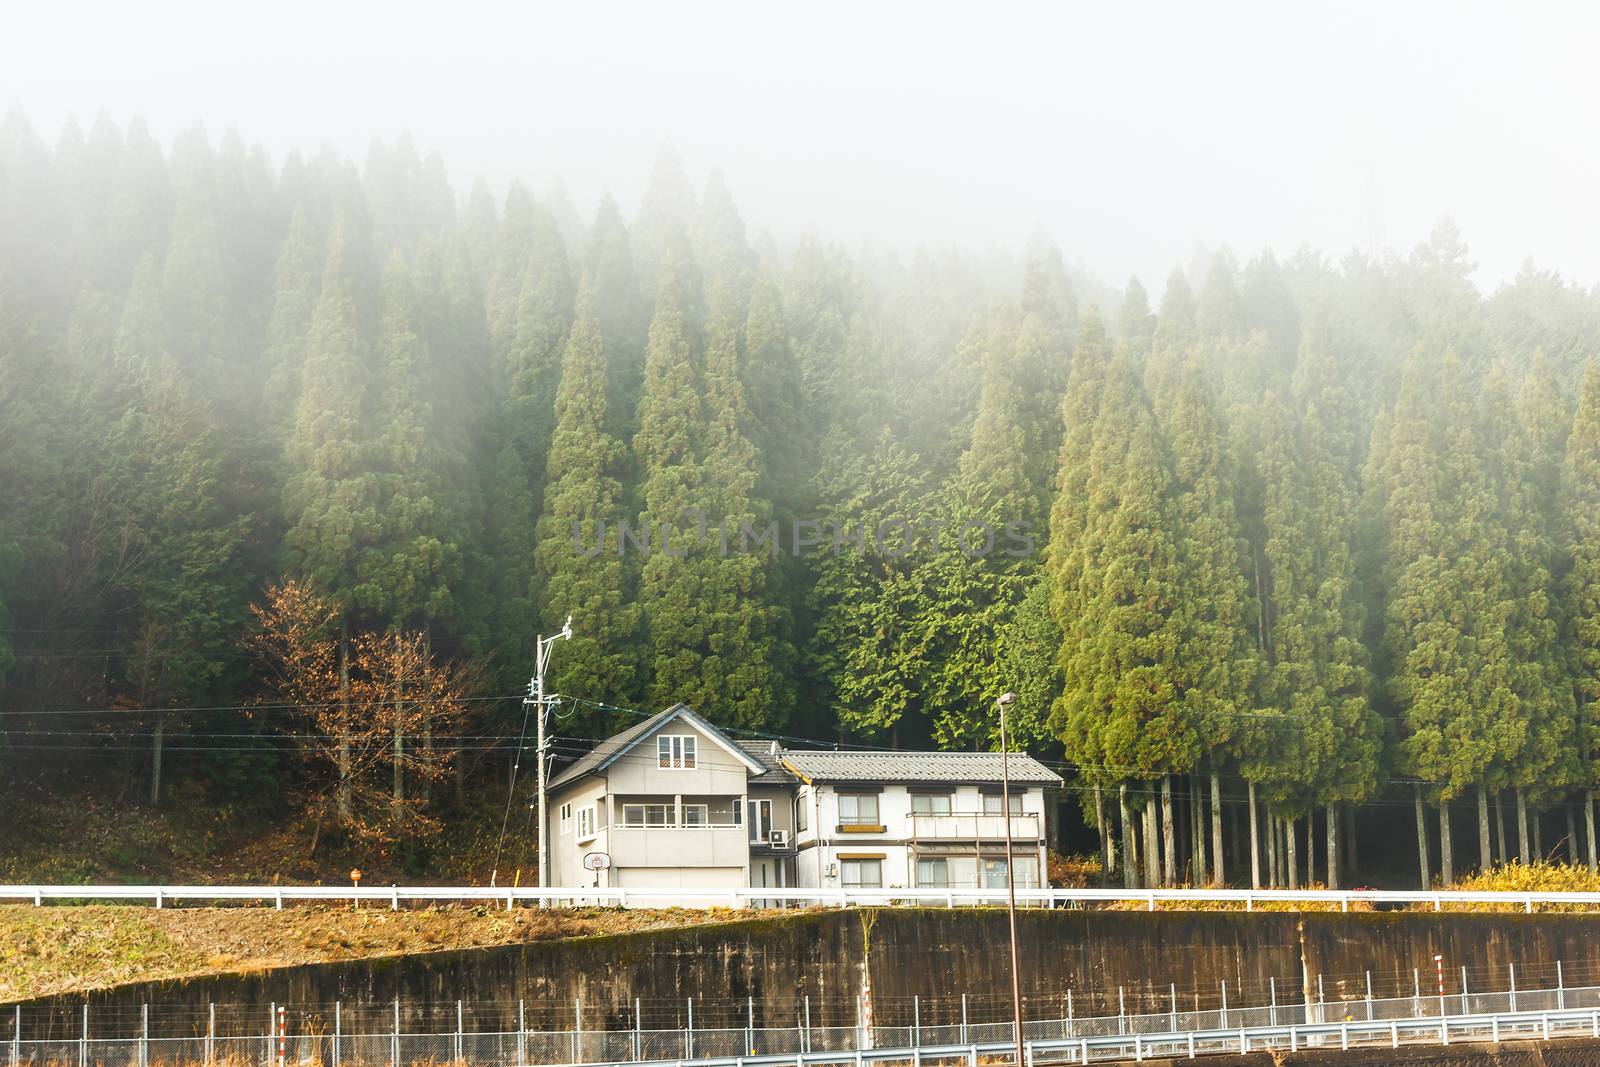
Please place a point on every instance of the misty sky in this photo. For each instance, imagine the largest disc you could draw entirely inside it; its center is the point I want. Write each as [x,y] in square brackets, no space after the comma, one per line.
[1132,133]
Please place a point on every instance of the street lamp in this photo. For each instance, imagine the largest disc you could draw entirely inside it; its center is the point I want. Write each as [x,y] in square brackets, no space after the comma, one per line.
[1011,880]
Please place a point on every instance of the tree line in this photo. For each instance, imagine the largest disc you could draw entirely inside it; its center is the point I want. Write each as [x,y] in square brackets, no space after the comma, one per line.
[1307,533]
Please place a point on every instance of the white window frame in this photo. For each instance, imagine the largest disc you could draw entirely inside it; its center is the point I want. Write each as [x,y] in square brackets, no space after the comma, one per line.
[856,819]
[860,869]
[694,812]
[636,816]
[566,818]
[586,823]
[994,798]
[760,820]
[944,864]
[932,802]
[677,752]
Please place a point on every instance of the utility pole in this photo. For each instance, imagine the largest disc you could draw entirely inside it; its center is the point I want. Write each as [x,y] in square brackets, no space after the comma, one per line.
[1011,873]
[537,697]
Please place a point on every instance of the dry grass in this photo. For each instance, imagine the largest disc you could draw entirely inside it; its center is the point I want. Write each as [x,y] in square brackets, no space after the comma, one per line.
[1239,905]
[72,948]
[1514,877]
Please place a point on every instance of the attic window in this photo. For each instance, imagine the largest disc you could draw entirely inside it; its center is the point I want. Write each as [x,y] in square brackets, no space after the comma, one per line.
[675,752]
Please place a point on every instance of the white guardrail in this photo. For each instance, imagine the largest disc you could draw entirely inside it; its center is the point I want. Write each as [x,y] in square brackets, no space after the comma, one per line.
[772,897]
[1392,1033]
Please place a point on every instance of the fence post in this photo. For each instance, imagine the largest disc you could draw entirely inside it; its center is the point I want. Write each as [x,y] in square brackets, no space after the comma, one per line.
[394,1044]
[1122,1013]
[1172,1007]
[1511,969]
[916,1020]
[83,1046]
[1272,1011]
[1561,989]
[144,1034]
[750,1026]
[1416,991]
[522,1031]
[1224,1023]
[964,1015]
[459,1041]
[638,1035]
[577,1029]
[211,1030]
[16,1037]
[1369,996]
[1465,1008]
[806,1044]
[338,1029]
[688,1033]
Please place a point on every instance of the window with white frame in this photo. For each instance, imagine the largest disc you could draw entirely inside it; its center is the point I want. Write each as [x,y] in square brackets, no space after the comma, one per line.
[933,873]
[802,813]
[637,815]
[696,815]
[566,818]
[861,873]
[586,822]
[991,803]
[676,752]
[858,809]
[930,803]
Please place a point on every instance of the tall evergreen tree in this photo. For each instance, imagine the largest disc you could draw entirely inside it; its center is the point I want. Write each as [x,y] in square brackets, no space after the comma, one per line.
[580,566]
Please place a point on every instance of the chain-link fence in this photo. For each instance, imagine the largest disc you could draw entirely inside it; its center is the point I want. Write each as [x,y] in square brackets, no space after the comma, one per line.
[672,1028]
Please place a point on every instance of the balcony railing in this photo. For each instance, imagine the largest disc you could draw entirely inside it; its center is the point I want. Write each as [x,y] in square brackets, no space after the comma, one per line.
[974,827]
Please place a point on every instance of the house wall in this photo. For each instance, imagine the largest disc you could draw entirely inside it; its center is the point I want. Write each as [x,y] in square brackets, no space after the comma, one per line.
[717,771]
[566,850]
[819,847]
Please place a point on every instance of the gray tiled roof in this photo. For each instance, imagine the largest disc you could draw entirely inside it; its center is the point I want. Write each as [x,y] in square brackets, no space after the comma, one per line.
[776,773]
[915,767]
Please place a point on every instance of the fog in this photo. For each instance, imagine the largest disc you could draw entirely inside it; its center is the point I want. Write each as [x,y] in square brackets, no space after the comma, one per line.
[1133,134]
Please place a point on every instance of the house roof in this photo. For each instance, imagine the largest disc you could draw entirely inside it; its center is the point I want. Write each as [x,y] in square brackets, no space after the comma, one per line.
[614,747]
[958,767]
[771,757]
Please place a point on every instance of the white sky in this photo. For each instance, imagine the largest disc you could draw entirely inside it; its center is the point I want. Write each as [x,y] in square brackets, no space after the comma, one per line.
[1130,132]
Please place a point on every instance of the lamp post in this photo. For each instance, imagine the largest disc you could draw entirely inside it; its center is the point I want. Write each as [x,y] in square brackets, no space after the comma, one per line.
[1011,879]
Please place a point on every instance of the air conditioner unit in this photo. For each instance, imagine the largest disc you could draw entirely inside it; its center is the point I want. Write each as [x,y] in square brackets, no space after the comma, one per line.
[778,838]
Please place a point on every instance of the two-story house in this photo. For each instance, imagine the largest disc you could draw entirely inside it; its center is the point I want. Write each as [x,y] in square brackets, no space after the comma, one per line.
[918,819]
[674,803]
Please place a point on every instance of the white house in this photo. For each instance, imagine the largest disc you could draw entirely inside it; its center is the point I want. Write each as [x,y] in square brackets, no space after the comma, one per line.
[673,802]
